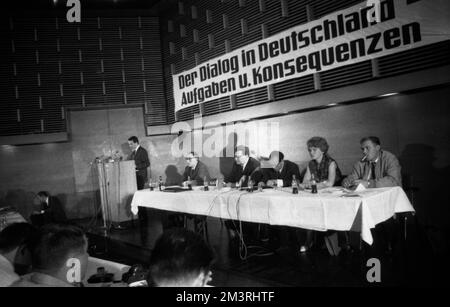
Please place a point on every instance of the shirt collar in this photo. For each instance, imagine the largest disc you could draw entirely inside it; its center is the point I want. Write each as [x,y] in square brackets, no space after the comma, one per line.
[376,160]
[281,169]
[137,147]
[195,165]
[245,164]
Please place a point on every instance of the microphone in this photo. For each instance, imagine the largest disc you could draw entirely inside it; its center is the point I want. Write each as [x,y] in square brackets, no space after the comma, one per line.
[241,181]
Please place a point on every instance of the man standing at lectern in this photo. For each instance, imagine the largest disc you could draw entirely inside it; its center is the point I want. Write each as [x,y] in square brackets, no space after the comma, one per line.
[140,157]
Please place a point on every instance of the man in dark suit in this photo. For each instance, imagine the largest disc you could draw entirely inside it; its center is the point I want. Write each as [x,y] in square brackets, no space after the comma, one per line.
[49,210]
[195,170]
[284,170]
[244,167]
[195,174]
[140,157]
[281,169]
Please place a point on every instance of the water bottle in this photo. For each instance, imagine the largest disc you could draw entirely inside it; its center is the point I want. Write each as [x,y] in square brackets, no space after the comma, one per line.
[205,184]
[294,185]
[260,186]
[219,183]
[189,183]
[150,184]
[250,185]
[313,184]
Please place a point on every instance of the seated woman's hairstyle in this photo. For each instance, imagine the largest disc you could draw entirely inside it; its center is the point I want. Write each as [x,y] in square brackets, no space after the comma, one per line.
[318,142]
[179,256]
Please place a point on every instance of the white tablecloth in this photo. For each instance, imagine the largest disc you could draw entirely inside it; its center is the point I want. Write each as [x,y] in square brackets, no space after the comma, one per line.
[327,210]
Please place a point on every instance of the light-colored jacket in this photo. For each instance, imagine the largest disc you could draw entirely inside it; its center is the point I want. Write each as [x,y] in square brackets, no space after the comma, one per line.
[387,171]
[7,274]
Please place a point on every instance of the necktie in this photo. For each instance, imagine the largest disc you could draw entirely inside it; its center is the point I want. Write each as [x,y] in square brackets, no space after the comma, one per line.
[133,154]
[372,171]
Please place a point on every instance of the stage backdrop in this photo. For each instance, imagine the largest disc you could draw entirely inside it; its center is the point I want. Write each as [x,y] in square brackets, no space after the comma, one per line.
[365,31]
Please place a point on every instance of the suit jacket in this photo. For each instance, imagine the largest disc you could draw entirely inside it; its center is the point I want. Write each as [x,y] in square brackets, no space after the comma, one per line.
[197,174]
[56,210]
[289,169]
[53,213]
[141,160]
[251,170]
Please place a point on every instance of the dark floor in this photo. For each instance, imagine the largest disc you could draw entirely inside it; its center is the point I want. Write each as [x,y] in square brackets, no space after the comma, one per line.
[410,261]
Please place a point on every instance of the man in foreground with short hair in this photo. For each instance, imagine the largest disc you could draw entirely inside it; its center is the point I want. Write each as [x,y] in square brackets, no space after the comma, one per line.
[59,258]
[180,258]
[14,250]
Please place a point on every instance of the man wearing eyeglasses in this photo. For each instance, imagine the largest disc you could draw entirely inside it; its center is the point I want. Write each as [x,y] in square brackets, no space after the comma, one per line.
[195,170]
[244,167]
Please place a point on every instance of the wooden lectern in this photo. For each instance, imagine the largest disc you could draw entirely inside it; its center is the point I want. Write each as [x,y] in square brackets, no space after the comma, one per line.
[117,181]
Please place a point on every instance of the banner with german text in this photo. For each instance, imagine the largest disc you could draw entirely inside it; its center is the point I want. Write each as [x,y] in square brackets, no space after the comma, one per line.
[365,31]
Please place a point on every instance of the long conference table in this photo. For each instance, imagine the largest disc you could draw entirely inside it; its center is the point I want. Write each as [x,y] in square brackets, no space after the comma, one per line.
[330,209]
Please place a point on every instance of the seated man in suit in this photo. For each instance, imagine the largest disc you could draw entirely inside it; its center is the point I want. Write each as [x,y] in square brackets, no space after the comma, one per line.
[284,170]
[281,169]
[244,167]
[195,170]
[49,210]
[195,174]
[377,169]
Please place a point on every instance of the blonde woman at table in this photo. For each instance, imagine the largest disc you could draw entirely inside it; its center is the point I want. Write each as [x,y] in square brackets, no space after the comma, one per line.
[326,173]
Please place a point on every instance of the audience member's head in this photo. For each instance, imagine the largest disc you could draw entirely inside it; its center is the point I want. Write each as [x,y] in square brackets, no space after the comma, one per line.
[58,249]
[241,154]
[371,147]
[43,196]
[180,258]
[317,147]
[15,241]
